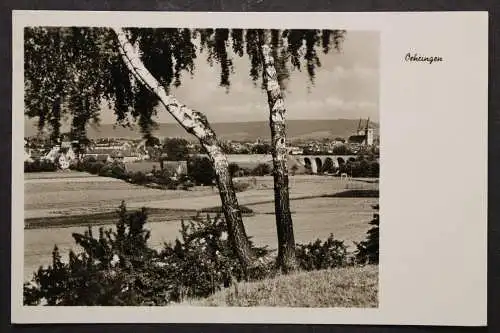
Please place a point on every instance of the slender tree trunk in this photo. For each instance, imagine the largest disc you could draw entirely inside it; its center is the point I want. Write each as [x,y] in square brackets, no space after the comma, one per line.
[197,124]
[286,242]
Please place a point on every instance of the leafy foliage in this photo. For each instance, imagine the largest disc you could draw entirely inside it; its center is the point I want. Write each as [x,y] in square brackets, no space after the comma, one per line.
[201,171]
[233,169]
[361,168]
[262,169]
[114,169]
[322,255]
[368,250]
[176,149]
[93,71]
[39,165]
[118,267]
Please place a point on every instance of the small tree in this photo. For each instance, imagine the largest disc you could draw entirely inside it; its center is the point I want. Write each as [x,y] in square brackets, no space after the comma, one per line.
[176,149]
[262,169]
[233,169]
[368,250]
[200,170]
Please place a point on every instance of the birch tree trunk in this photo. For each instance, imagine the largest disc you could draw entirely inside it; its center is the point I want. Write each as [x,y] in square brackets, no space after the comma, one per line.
[284,224]
[196,124]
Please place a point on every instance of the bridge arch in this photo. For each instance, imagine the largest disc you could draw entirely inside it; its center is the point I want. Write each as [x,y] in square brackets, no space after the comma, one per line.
[307,163]
[329,165]
[319,164]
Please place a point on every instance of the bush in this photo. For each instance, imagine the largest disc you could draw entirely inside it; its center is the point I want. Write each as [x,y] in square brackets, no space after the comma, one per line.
[40,166]
[361,168]
[203,261]
[262,169]
[243,172]
[322,255]
[368,250]
[138,178]
[240,186]
[200,170]
[95,167]
[118,267]
[114,170]
[233,169]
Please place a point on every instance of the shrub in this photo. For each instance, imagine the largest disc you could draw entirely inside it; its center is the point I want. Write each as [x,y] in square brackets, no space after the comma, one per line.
[367,251]
[243,172]
[118,267]
[95,167]
[361,168]
[203,260]
[138,178]
[262,169]
[200,170]
[114,170]
[41,165]
[322,255]
[240,186]
[233,169]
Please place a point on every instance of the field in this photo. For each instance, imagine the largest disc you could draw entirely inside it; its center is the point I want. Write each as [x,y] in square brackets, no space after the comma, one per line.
[69,197]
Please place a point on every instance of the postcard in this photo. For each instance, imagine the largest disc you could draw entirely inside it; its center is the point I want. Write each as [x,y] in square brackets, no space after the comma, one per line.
[195,167]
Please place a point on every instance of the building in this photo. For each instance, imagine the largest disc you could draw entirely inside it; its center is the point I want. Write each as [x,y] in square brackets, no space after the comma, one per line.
[364,136]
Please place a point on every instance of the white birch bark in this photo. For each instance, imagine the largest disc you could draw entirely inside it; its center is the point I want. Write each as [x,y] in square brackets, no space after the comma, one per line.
[197,124]
[284,224]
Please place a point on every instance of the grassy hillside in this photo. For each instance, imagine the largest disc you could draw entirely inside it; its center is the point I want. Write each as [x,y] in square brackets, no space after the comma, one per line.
[341,287]
[299,129]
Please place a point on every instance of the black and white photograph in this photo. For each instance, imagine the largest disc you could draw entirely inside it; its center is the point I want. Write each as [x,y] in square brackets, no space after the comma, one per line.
[201,166]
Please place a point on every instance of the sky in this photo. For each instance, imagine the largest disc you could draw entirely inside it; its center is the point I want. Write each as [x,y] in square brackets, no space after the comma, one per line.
[346,86]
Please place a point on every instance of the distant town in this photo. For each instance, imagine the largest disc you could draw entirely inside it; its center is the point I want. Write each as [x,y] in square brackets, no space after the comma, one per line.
[65,150]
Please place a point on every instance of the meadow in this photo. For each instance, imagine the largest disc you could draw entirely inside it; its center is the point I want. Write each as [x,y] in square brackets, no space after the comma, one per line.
[71,203]
[346,287]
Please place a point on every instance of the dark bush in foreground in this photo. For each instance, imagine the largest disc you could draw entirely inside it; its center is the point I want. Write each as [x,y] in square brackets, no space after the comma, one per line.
[118,267]
[368,250]
[322,255]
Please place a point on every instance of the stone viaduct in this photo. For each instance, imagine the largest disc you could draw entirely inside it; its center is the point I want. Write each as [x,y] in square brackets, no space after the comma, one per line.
[315,162]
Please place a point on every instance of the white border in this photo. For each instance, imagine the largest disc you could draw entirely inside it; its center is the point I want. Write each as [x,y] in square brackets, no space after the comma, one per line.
[433,175]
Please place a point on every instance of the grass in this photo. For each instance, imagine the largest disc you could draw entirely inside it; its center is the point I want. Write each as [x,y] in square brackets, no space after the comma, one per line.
[341,287]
